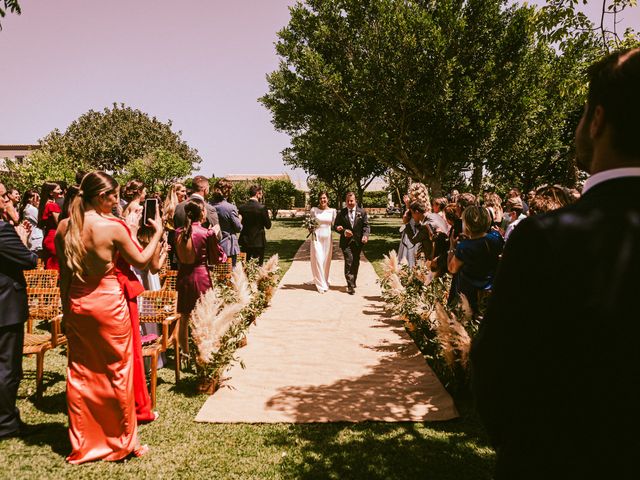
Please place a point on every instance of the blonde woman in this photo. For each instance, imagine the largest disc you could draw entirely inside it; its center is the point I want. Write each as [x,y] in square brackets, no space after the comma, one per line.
[177,194]
[100,385]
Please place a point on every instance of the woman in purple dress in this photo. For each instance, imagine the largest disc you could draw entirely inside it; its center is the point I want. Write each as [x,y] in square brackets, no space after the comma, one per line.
[193,243]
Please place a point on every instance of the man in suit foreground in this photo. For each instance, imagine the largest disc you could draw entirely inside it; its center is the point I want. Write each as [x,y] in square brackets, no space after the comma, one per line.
[556,363]
[352,224]
[14,258]
[201,191]
[255,218]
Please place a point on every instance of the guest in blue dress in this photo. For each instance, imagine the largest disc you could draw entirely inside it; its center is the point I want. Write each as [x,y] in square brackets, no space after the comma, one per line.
[475,258]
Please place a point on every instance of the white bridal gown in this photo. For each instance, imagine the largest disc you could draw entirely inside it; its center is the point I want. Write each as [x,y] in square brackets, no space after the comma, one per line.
[322,247]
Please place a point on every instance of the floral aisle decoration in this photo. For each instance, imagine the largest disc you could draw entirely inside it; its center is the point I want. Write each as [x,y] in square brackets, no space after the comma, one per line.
[217,328]
[442,333]
[223,314]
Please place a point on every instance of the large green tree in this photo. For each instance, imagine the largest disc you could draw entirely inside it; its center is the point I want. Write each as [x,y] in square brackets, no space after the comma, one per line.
[157,170]
[438,91]
[9,6]
[111,139]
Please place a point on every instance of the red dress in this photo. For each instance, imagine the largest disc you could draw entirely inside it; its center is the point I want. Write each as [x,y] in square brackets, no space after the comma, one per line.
[100,391]
[131,288]
[49,255]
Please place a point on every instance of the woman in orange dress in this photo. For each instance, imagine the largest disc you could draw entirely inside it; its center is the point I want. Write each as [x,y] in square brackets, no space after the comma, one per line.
[100,385]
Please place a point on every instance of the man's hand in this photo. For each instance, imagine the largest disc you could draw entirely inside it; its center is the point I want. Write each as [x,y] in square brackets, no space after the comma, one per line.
[339,228]
[348,233]
[365,239]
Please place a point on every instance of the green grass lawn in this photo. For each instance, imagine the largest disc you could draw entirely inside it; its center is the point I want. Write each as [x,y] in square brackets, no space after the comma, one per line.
[181,448]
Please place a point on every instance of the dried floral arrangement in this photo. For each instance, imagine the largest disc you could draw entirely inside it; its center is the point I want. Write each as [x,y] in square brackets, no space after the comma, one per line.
[222,315]
[442,333]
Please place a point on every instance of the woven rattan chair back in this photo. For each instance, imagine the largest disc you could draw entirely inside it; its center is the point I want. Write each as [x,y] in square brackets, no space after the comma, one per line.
[44,304]
[41,278]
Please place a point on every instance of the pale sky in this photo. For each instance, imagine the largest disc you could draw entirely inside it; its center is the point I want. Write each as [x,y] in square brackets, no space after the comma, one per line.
[200,63]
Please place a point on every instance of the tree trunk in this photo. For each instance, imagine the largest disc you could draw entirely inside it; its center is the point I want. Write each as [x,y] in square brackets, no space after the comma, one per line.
[476,177]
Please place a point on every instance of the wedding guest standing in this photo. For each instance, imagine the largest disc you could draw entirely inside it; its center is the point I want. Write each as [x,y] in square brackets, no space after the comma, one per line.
[255,219]
[228,218]
[134,194]
[11,207]
[177,194]
[556,363]
[29,213]
[474,259]
[194,245]
[14,258]
[200,191]
[352,223]
[48,215]
[100,387]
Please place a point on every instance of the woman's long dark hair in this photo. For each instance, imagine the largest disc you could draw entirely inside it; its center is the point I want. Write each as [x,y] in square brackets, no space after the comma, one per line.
[27,197]
[193,211]
[72,193]
[45,196]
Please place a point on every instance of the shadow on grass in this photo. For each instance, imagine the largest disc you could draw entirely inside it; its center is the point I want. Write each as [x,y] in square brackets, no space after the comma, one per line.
[54,435]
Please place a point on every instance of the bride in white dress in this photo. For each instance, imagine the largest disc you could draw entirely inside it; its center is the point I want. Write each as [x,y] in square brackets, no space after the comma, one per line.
[321,243]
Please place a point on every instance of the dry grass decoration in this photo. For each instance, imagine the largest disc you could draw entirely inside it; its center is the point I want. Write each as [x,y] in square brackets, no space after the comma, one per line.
[442,333]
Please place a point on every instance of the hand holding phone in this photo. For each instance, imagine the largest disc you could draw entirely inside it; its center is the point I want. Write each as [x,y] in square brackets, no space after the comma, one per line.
[150,210]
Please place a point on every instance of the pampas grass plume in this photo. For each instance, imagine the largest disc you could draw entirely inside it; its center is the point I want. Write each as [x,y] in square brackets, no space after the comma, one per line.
[390,264]
[201,321]
[241,285]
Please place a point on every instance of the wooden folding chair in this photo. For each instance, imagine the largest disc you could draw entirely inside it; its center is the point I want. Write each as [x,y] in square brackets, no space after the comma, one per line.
[41,278]
[221,272]
[169,280]
[44,304]
[160,307]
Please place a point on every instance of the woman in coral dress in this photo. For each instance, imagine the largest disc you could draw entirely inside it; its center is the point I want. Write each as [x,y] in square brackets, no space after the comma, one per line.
[100,385]
[193,245]
[48,213]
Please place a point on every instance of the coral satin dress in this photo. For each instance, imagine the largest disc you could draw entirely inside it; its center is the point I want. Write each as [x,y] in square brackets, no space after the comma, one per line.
[100,389]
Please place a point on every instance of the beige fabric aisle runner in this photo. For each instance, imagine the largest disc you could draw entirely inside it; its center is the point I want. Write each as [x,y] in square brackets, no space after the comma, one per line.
[327,358]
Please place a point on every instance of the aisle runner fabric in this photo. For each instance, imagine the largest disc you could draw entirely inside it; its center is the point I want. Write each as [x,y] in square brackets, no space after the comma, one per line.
[328,358]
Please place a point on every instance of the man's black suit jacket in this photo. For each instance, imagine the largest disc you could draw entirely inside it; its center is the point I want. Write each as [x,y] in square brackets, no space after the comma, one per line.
[360,227]
[556,363]
[255,218]
[14,259]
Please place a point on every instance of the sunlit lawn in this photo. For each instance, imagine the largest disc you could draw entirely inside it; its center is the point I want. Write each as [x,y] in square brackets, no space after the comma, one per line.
[181,448]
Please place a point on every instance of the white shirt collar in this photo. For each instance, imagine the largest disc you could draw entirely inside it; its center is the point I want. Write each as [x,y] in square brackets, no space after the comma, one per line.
[605,175]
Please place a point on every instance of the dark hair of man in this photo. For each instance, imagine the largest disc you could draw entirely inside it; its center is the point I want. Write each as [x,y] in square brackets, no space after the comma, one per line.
[418,207]
[440,202]
[222,189]
[466,200]
[349,194]
[614,84]
[200,184]
[79,176]
[450,212]
[254,189]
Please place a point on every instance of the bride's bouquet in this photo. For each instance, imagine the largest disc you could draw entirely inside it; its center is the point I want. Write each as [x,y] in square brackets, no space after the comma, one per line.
[311,223]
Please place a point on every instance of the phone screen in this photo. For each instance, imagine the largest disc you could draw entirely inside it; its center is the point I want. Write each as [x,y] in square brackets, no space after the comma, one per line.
[150,209]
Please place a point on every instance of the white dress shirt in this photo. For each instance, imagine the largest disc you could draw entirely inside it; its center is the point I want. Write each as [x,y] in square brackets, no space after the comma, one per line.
[605,175]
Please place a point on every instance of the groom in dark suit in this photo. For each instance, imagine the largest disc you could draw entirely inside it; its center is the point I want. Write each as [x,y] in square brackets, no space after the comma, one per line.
[556,363]
[14,310]
[352,224]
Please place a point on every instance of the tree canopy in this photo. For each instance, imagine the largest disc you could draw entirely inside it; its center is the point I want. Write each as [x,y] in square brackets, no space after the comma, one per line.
[111,139]
[443,92]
